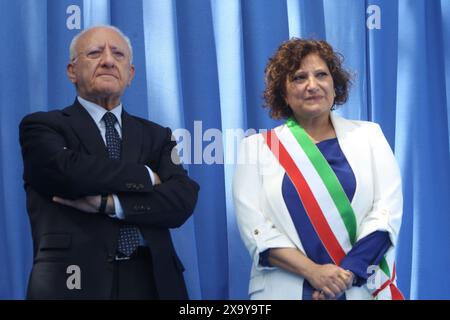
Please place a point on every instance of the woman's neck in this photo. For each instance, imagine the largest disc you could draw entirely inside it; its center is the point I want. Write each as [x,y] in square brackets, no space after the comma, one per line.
[317,128]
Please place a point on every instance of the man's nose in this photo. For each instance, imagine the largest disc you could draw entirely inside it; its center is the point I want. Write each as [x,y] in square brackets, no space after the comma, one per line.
[107,58]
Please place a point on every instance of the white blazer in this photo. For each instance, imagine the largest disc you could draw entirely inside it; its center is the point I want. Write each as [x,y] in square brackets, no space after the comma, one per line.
[264,221]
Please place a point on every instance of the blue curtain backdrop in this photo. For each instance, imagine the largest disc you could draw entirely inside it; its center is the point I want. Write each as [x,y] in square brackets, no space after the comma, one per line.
[200,67]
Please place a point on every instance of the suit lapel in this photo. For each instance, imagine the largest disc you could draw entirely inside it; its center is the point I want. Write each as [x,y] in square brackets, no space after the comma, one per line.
[132,138]
[86,129]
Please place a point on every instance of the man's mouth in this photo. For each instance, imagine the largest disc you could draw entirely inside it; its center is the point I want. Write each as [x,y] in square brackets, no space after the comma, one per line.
[107,75]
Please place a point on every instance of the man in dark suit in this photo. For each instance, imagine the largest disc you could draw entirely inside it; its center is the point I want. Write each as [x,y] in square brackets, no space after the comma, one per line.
[102,187]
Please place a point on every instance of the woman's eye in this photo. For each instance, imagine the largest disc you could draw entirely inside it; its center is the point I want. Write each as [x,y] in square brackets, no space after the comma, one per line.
[299,78]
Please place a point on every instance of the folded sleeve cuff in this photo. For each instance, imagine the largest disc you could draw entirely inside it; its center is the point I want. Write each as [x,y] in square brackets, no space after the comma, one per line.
[265,237]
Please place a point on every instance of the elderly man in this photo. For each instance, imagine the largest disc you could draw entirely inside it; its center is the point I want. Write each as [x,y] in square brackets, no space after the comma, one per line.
[102,188]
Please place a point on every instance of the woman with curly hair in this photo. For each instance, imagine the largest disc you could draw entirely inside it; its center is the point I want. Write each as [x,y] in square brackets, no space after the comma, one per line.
[318,199]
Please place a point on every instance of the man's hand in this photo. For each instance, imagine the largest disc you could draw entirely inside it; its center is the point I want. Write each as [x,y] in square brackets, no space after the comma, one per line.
[330,281]
[87,204]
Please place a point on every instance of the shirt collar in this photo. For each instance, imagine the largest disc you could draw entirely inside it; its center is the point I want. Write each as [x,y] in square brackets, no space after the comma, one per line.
[97,112]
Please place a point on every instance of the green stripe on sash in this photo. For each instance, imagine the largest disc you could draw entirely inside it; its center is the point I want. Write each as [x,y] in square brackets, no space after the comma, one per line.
[328,177]
[385,267]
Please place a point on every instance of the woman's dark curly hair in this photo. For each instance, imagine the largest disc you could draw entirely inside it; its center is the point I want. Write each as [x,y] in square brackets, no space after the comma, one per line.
[287,60]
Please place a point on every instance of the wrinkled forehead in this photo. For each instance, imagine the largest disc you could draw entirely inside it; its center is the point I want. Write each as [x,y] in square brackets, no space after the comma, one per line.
[99,38]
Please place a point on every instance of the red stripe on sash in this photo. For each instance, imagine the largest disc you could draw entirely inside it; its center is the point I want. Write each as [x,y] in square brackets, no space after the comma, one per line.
[310,204]
[395,292]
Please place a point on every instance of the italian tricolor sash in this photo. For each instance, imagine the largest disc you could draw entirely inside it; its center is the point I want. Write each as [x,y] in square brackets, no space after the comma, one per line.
[325,202]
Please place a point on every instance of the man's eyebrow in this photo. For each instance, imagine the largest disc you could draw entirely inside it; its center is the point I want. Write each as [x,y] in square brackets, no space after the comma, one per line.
[100,46]
[117,47]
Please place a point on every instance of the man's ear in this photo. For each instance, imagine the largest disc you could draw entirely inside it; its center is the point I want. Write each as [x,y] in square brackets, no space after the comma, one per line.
[132,73]
[71,73]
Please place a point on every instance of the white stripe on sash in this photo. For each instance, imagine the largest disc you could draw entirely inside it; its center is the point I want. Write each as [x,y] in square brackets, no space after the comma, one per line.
[316,185]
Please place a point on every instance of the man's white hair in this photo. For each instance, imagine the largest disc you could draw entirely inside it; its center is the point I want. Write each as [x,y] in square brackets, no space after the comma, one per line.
[74,41]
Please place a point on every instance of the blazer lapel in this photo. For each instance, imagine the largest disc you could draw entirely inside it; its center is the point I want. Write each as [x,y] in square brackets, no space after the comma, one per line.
[86,129]
[132,138]
[354,147]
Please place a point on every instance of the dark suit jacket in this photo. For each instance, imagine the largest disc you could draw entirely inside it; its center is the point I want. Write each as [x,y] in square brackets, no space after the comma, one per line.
[65,155]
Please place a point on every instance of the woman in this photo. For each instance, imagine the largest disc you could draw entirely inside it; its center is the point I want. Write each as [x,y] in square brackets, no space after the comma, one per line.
[318,199]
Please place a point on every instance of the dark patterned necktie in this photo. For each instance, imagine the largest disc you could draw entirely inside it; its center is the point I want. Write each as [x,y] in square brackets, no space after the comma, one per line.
[128,234]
